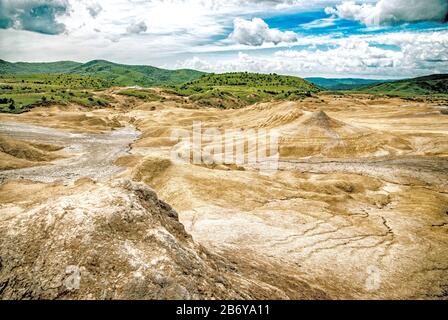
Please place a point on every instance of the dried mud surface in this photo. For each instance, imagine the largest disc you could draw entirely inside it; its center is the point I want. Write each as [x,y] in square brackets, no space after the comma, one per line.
[88,154]
[357,210]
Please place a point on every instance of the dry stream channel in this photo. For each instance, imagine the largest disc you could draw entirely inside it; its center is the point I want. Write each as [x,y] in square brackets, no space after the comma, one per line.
[90,154]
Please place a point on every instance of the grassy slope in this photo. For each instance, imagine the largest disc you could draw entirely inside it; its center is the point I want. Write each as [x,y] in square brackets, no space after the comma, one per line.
[116,74]
[19,93]
[25,85]
[35,68]
[429,85]
[124,75]
[231,90]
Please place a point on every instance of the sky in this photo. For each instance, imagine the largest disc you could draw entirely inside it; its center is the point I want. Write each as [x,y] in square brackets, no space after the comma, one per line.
[382,39]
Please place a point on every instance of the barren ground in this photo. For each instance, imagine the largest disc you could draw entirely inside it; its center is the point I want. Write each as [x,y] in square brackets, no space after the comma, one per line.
[357,209]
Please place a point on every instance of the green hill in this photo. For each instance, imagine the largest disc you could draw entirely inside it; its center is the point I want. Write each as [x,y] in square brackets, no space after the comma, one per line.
[116,74]
[35,68]
[430,85]
[20,93]
[129,75]
[238,89]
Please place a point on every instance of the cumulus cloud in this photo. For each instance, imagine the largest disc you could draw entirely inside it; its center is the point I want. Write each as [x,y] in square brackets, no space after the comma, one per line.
[256,32]
[415,54]
[189,28]
[392,11]
[137,28]
[94,9]
[33,15]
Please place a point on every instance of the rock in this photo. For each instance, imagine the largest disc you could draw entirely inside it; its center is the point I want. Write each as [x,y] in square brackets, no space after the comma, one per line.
[120,241]
[113,241]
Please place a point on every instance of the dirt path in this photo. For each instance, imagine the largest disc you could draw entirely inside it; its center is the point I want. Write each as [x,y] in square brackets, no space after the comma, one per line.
[93,155]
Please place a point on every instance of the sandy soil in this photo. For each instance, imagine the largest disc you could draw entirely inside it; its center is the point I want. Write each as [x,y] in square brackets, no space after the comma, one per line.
[358,209]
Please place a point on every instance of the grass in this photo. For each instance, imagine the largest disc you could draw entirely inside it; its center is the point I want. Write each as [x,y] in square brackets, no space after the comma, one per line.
[134,75]
[20,93]
[143,94]
[36,68]
[233,90]
[113,73]
[434,86]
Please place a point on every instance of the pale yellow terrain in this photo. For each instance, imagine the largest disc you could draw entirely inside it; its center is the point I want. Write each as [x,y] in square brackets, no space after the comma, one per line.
[15,154]
[357,210]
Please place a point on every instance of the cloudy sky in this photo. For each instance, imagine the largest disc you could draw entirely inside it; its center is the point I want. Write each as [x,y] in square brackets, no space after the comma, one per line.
[369,39]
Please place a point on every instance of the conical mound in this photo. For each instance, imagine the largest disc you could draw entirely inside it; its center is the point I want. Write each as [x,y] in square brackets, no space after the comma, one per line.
[322,120]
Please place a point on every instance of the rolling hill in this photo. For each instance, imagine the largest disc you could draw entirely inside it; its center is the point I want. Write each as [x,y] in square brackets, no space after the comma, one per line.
[35,68]
[117,74]
[21,92]
[128,75]
[238,89]
[428,85]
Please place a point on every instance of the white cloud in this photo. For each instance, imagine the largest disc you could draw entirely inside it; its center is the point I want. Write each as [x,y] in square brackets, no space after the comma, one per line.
[417,54]
[320,23]
[136,28]
[33,15]
[181,29]
[94,9]
[256,32]
[392,11]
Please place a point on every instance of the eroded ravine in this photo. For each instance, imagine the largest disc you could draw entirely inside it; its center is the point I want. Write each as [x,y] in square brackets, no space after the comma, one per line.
[89,154]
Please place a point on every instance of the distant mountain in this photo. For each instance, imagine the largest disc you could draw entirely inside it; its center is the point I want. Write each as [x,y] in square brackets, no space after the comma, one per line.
[34,68]
[118,74]
[343,83]
[146,76]
[433,84]
[128,75]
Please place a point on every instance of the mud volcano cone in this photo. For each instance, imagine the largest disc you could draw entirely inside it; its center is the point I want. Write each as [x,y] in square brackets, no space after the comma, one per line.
[322,120]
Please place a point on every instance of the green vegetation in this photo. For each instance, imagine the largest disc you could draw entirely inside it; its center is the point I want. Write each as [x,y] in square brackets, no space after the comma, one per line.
[113,73]
[35,68]
[68,81]
[19,93]
[145,76]
[233,90]
[434,86]
[25,85]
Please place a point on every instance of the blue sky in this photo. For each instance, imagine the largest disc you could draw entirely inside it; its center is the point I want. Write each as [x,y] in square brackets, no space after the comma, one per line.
[368,39]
